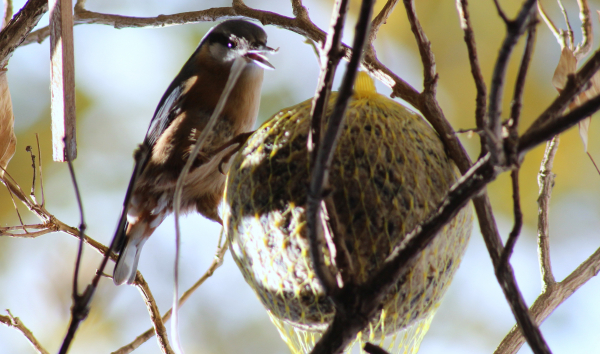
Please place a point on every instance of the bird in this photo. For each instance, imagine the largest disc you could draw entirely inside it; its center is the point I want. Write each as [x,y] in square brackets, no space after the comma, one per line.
[389,172]
[181,115]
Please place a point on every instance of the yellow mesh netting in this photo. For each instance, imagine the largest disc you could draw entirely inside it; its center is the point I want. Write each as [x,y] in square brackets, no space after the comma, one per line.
[390,170]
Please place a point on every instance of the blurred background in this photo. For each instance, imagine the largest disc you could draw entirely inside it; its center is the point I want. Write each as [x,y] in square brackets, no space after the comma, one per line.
[121,75]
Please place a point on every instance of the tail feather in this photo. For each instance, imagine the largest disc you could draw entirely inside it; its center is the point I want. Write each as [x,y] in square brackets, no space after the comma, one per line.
[126,266]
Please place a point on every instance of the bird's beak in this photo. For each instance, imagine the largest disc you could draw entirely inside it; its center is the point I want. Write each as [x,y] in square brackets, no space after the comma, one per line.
[258,57]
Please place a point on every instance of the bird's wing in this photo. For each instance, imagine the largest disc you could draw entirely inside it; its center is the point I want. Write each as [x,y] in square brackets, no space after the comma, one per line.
[168,108]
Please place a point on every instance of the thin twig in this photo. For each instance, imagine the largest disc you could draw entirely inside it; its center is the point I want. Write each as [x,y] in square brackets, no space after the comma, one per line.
[480,106]
[514,233]
[514,30]
[576,84]
[546,183]
[516,104]
[329,63]
[427,57]
[235,71]
[27,234]
[562,41]
[584,48]
[142,338]
[319,175]
[501,13]
[30,151]
[159,327]
[12,197]
[381,18]
[538,134]
[37,139]
[19,27]
[81,303]
[571,40]
[549,300]
[16,323]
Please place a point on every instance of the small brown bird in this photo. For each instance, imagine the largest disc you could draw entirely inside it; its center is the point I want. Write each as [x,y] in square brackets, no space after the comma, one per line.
[181,115]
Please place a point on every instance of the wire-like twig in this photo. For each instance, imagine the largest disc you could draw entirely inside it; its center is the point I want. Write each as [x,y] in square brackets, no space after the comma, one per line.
[546,183]
[329,62]
[570,39]
[510,145]
[516,230]
[514,29]
[142,338]
[427,57]
[381,18]
[562,41]
[37,139]
[517,101]
[16,323]
[81,303]
[480,100]
[159,326]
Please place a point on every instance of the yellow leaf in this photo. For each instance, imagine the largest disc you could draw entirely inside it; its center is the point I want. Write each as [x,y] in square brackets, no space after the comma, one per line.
[566,65]
[8,140]
[584,126]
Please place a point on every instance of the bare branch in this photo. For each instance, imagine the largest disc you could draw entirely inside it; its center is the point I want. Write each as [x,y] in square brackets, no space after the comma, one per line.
[562,41]
[427,57]
[576,84]
[81,303]
[142,338]
[546,182]
[501,13]
[159,326]
[585,46]
[514,30]
[318,157]
[516,104]
[381,18]
[19,27]
[538,134]
[549,300]
[16,323]
[571,40]
[465,24]
[514,233]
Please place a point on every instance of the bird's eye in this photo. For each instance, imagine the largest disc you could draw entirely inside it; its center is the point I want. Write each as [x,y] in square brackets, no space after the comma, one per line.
[231,45]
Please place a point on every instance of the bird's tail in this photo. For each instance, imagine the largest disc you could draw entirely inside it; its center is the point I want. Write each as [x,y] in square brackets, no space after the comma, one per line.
[131,235]
[129,253]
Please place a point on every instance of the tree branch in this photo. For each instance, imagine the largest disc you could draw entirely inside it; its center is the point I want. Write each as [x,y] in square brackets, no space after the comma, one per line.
[142,338]
[16,323]
[549,300]
[493,127]
[319,157]
[19,27]
[480,100]
[546,183]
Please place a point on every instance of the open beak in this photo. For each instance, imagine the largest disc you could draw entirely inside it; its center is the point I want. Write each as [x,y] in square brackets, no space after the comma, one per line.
[258,56]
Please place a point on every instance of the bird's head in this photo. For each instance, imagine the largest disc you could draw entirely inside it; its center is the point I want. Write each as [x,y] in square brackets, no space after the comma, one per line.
[238,38]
